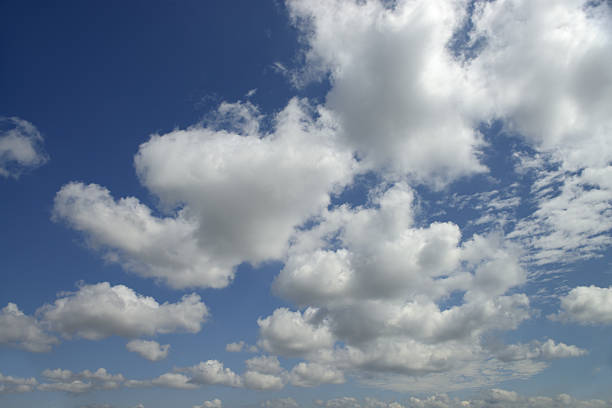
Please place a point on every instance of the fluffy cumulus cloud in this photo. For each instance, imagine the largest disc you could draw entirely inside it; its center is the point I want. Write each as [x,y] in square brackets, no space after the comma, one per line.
[548,350]
[240,346]
[149,349]
[9,384]
[382,291]
[231,196]
[101,310]
[264,373]
[377,292]
[544,66]
[213,372]
[21,147]
[489,398]
[313,374]
[587,305]
[405,104]
[81,382]
[215,403]
[22,331]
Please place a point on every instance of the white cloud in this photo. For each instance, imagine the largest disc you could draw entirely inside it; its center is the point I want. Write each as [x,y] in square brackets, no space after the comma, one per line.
[174,380]
[587,305]
[264,364]
[547,350]
[21,147]
[234,347]
[260,381]
[545,70]
[240,346]
[264,373]
[212,372]
[22,331]
[376,285]
[280,403]
[9,384]
[489,398]
[98,311]
[290,333]
[313,374]
[241,195]
[215,403]
[151,350]
[545,64]
[77,383]
[405,103]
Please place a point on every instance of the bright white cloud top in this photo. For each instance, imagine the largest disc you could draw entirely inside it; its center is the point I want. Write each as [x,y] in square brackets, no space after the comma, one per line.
[427,211]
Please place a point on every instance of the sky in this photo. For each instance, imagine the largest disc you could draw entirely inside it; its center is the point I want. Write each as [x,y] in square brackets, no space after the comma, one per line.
[306,203]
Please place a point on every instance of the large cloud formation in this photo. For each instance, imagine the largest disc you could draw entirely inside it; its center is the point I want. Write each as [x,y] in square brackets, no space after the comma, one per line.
[97,311]
[380,292]
[239,195]
[381,286]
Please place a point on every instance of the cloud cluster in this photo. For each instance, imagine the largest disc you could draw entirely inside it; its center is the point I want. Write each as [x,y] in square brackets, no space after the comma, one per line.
[9,384]
[230,197]
[379,293]
[372,279]
[149,349]
[22,331]
[215,403]
[489,398]
[77,383]
[405,104]
[586,305]
[21,147]
[98,311]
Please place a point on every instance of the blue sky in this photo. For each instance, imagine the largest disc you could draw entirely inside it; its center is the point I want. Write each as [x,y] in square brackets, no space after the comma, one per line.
[306,203]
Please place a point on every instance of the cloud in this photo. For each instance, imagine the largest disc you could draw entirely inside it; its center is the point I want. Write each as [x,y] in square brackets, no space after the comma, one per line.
[212,372]
[376,286]
[174,380]
[549,350]
[260,381]
[290,333]
[405,104]
[22,331]
[151,350]
[240,346]
[21,147]
[78,383]
[264,373]
[280,403]
[100,310]
[586,305]
[215,403]
[545,68]
[489,398]
[237,195]
[313,374]
[10,384]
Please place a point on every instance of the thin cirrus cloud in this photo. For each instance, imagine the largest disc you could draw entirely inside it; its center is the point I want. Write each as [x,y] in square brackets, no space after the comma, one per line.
[21,147]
